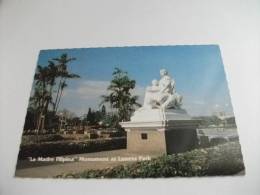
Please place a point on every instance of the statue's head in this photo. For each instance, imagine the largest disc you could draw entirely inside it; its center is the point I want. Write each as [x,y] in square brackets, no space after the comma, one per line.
[163,72]
[155,82]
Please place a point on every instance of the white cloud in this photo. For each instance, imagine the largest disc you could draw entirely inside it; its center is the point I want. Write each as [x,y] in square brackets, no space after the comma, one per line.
[139,91]
[88,94]
[88,90]
[199,102]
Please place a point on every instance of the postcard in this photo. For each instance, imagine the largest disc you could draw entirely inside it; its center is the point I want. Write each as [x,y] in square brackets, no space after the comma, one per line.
[130,112]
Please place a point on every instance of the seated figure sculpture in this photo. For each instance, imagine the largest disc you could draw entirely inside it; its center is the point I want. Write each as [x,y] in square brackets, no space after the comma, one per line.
[151,95]
[162,94]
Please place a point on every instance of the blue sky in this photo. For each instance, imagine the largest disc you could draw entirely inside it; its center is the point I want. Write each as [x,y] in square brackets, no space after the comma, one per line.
[198,72]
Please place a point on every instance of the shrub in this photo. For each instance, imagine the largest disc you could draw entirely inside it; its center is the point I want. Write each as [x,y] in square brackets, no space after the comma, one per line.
[224,159]
[217,140]
[65,148]
[29,139]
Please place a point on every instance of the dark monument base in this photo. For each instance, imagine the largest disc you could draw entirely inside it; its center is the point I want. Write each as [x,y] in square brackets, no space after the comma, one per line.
[178,141]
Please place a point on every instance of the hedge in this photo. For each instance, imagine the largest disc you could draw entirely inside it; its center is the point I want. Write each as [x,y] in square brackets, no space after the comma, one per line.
[223,159]
[30,139]
[50,149]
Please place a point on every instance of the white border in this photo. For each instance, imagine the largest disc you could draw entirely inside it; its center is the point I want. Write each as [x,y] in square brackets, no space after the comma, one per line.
[31,25]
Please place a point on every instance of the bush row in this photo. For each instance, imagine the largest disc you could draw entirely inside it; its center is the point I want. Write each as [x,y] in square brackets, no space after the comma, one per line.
[224,159]
[29,139]
[65,148]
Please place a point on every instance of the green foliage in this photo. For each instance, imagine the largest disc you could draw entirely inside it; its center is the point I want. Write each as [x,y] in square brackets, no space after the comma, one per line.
[30,120]
[208,120]
[75,121]
[93,117]
[120,97]
[229,155]
[49,149]
[111,120]
[103,110]
[32,139]
[224,159]
[217,140]
[44,83]
[63,74]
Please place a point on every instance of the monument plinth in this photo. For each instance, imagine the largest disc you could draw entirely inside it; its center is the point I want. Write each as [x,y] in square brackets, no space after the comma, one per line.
[161,126]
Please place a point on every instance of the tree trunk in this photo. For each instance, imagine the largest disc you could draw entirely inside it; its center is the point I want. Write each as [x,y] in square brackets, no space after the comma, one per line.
[61,92]
[58,101]
[57,95]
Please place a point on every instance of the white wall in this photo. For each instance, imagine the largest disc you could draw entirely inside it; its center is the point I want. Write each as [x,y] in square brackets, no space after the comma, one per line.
[28,26]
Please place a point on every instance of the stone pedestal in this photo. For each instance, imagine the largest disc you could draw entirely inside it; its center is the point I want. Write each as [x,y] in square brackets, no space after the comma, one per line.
[156,131]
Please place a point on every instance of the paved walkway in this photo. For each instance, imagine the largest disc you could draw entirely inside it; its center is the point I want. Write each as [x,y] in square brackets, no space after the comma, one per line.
[97,160]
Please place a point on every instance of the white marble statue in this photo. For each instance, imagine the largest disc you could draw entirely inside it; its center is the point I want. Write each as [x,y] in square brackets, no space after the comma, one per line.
[162,94]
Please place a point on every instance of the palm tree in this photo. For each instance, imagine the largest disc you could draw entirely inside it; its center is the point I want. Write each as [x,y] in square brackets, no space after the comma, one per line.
[41,95]
[63,73]
[52,73]
[35,105]
[45,81]
[120,97]
[63,85]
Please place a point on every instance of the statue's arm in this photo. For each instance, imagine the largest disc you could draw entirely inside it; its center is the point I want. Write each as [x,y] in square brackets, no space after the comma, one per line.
[166,84]
[148,89]
[173,86]
[152,89]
